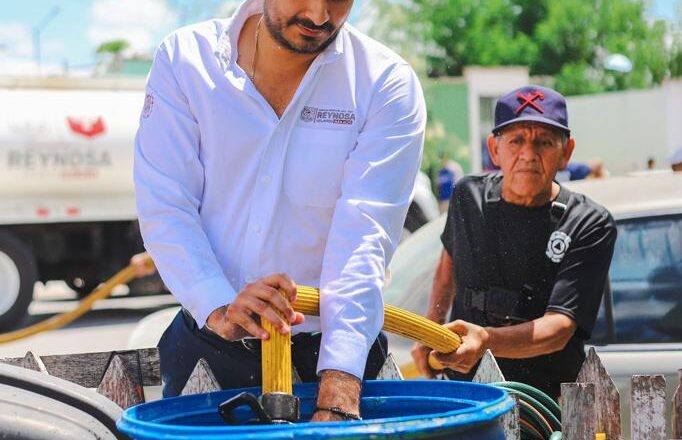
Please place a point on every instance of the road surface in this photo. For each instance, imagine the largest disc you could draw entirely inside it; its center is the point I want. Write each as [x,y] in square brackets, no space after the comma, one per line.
[105,328]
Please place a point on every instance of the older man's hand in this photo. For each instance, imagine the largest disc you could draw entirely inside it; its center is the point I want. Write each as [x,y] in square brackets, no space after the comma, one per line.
[474,344]
[420,354]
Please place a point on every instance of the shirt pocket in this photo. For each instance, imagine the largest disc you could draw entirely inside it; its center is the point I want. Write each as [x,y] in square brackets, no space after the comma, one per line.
[314,165]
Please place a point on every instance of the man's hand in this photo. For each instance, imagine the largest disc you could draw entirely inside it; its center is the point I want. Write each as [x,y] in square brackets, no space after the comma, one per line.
[142,265]
[337,389]
[420,354]
[261,299]
[474,345]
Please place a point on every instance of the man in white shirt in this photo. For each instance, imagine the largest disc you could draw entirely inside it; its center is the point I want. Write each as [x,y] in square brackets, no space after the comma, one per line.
[279,145]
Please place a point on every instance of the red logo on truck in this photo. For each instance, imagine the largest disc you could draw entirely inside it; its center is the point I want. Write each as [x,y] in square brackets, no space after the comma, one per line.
[87,128]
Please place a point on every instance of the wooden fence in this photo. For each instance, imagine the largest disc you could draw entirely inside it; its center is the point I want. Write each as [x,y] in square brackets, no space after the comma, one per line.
[589,406]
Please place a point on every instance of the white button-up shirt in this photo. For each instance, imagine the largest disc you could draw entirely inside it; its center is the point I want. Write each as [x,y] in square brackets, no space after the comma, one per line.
[227,192]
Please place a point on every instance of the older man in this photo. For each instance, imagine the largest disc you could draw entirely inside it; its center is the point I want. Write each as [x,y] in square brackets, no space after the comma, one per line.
[525,260]
[276,147]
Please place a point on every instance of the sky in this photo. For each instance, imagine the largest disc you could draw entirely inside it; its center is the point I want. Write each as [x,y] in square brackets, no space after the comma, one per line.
[74,28]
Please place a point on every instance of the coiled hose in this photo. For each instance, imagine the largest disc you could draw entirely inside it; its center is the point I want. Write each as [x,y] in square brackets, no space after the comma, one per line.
[539,414]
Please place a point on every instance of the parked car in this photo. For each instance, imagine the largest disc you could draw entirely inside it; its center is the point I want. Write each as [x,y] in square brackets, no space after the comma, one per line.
[639,326]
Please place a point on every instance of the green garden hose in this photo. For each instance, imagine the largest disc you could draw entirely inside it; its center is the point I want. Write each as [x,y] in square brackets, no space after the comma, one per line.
[540,415]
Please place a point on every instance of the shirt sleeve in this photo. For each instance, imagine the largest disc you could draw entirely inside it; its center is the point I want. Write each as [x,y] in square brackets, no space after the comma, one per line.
[169,179]
[583,273]
[378,182]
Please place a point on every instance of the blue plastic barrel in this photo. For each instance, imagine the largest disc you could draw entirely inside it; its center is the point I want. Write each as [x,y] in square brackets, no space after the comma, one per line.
[397,409]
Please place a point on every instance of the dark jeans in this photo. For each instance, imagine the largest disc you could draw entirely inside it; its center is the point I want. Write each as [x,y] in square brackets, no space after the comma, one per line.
[237,364]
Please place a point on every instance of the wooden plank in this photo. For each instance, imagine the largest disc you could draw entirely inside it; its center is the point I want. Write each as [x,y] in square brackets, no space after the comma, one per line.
[647,403]
[202,380]
[510,422]
[606,393]
[17,362]
[488,372]
[87,369]
[121,383]
[390,370]
[33,362]
[676,415]
[578,411]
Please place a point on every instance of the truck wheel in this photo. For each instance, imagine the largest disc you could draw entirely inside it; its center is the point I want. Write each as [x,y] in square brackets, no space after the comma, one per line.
[18,275]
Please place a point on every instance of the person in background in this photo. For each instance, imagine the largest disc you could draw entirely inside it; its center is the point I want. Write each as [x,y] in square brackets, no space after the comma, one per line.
[448,175]
[525,261]
[651,163]
[582,170]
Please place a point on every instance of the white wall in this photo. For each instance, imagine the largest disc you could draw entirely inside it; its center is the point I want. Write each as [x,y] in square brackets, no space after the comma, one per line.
[626,128]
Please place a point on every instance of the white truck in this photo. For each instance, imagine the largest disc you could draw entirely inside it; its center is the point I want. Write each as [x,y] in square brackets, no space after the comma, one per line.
[67,208]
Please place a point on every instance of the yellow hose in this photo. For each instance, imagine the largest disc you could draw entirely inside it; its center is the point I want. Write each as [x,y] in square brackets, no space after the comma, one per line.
[276,351]
[400,322]
[276,360]
[57,321]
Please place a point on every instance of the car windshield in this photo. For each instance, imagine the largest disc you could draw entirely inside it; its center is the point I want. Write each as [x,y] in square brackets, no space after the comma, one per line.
[646,280]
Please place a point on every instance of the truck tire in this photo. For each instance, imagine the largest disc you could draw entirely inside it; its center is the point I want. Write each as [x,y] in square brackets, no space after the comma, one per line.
[18,275]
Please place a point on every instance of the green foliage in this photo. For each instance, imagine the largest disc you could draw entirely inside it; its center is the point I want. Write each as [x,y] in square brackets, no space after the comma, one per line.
[114,47]
[676,62]
[567,39]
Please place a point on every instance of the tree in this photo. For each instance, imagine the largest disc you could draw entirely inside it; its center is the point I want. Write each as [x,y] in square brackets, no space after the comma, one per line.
[111,54]
[113,47]
[569,40]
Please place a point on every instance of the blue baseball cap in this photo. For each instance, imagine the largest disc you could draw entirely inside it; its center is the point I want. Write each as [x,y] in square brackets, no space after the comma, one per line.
[532,103]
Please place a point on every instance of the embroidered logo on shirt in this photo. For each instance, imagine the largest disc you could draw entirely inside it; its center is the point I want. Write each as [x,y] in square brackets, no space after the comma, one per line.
[557,246]
[148,105]
[314,115]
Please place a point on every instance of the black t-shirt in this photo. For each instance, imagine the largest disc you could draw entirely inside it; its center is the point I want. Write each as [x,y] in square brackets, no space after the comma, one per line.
[563,263]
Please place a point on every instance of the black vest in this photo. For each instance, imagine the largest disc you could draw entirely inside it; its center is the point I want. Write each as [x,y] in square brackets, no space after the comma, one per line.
[482,298]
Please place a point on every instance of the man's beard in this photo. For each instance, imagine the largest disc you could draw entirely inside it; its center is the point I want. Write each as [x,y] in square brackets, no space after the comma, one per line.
[276,29]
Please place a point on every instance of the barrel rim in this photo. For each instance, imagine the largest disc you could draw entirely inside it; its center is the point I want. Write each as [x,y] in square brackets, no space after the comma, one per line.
[453,420]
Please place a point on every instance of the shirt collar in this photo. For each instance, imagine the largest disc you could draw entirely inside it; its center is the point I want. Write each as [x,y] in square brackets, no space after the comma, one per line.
[227,42]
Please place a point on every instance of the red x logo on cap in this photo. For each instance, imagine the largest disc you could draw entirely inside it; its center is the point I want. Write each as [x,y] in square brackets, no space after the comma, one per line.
[529,99]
